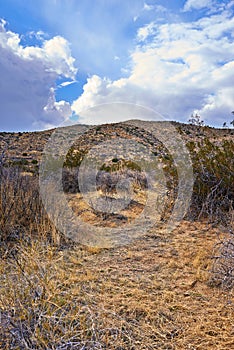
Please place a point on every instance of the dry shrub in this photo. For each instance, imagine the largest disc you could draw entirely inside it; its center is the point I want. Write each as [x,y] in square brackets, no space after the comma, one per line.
[223,266]
[70,180]
[22,215]
[213,193]
[213,199]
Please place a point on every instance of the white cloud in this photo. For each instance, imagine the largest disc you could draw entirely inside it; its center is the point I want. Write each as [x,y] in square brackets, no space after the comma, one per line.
[218,107]
[66,83]
[144,32]
[39,35]
[230,4]
[148,7]
[95,87]
[53,106]
[182,68]
[157,8]
[197,4]
[55,53]
[211,6]
[27,76]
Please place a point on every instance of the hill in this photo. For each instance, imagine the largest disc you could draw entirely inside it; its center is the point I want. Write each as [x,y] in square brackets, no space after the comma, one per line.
[24,147]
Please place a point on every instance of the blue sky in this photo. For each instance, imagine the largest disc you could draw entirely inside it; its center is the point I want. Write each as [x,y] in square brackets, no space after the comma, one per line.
[60,57]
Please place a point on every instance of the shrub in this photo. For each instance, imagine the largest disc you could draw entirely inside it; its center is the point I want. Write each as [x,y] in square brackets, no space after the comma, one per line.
[22,214]
[213,198]
[223,266]
[74,157]
[213,167]
[119,165]
[70,180]
[20,162]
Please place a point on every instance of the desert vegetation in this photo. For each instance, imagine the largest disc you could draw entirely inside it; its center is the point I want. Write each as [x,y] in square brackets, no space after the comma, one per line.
[165,290]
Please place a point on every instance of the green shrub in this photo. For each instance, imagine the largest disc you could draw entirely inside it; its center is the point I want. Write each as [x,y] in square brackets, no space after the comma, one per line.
[74,157]
[120,164]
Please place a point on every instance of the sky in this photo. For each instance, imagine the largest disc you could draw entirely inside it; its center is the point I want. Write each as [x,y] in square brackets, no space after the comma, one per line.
[59,58]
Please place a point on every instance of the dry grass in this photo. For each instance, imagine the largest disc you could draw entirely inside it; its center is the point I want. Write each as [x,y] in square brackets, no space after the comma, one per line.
[152,294]
[87,214]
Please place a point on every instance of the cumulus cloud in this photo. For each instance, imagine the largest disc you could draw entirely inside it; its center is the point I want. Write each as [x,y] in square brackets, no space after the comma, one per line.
[27,76]
[99,91]
[183,67]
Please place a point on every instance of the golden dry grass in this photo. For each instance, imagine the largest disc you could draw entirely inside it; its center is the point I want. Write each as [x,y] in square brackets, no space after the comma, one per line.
[152,294]
[87,214]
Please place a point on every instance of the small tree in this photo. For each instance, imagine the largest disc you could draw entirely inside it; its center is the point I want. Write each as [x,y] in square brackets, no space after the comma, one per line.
[196,119]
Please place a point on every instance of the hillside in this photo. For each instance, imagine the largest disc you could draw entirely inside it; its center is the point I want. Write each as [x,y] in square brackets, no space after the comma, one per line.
[24,147]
